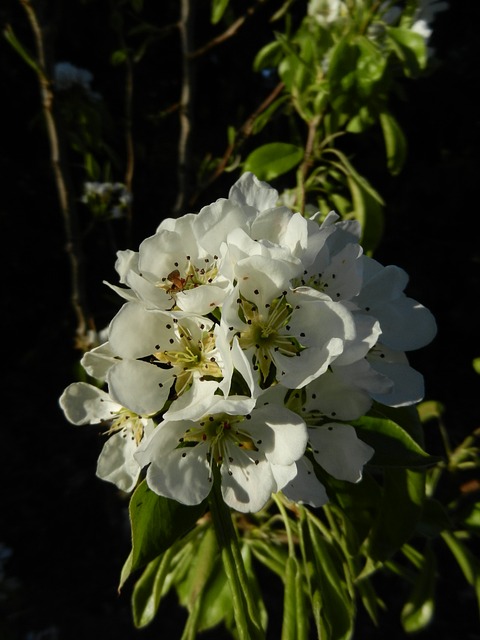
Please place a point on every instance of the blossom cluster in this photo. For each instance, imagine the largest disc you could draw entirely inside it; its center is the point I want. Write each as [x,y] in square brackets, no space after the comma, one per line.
[249,337]
[107,199]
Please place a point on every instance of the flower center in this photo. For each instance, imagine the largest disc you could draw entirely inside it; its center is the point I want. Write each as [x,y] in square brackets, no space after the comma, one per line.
[223,433]
[130,423]
[266,332]
[189,357]
[191,278]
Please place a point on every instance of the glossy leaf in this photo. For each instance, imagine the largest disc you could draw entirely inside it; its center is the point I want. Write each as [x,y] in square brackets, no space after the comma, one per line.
[392,444]
[272,160]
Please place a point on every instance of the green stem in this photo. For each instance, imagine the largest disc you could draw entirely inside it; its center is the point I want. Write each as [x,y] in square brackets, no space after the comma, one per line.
[244,606]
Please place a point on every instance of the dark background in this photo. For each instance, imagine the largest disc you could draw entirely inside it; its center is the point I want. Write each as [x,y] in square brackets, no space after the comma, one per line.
[67,531]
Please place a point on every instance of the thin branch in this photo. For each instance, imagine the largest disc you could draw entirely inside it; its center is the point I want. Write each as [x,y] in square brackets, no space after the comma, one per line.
[307,161]
[63,184]
[186,105]
[228,33]
[242,134]
[129,144]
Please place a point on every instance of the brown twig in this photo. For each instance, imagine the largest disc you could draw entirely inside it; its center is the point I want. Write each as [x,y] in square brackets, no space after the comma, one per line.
[186,106]
[228,33]
[307,161]
[63,184]
[129,144]
[242,134]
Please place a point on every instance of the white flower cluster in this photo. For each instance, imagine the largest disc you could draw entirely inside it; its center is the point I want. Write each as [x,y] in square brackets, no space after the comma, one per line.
[107,199]
[248,339]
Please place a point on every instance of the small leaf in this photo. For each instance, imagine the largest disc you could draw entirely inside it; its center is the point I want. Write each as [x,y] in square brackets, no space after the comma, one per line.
[218,9]
[12,39]
[467,561]
[418,611]
[395,143]
[157,523]
[273,159]
[392,444]
[410,49]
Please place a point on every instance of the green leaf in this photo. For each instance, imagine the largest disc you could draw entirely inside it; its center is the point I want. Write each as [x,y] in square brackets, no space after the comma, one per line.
[393,446]
[395,143]
[400,510]
[434,519]
[369,213]
[273,159]
[157,523]
[467,561]
[419,608]
[268,56]
[336,613]
[216,600]
[206,553]
[12,39]
[289,625]
[476,364]
[370,67]
[406,417]
[410,49]
[217,10]
[148,589]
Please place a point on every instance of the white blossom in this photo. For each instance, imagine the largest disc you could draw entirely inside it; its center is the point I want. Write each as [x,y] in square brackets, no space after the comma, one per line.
[255,451]
[83,404]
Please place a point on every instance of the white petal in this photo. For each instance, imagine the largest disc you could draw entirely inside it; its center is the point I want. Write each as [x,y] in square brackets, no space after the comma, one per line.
[183,475]
[408,384]
[139,386]
[249,190]
[83,403]
[247,486]
[135,332]
[195,403]
[305,487]
[295,372]
[116,462]
[279,433]
[98,361]
[338,450]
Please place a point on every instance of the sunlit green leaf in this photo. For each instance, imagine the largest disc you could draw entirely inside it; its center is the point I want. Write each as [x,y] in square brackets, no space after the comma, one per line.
[217,10]
[392,444]
[273,159]
[410,49]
